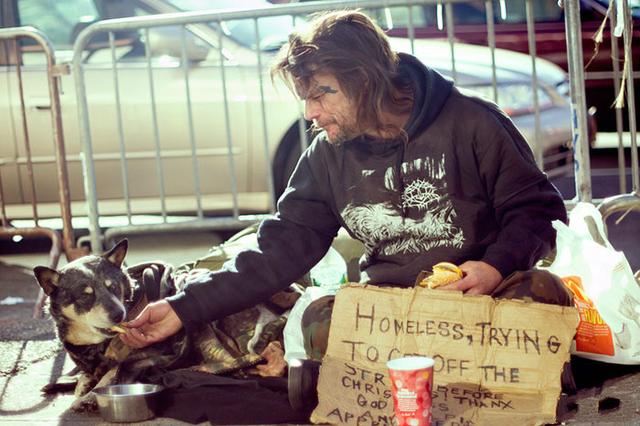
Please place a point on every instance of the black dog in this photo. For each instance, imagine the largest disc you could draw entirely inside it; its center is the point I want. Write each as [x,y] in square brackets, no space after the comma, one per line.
[91,295]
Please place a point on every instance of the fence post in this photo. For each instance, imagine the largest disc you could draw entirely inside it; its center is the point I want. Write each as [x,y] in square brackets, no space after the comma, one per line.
[579,120]
[67,244]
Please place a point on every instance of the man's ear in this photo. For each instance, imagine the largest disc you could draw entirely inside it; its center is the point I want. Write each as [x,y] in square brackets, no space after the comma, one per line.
[117,253]
[47,278]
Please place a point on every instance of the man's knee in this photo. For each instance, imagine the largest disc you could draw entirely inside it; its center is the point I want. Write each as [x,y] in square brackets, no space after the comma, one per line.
[534,286]
[315,323]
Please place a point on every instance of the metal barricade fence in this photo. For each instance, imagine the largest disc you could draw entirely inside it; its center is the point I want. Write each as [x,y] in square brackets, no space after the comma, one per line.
[278,120]
[621,22]
[579,127]
[65,244]
[227,159]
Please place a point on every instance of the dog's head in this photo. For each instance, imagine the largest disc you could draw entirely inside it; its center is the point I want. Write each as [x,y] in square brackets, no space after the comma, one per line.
[87,296]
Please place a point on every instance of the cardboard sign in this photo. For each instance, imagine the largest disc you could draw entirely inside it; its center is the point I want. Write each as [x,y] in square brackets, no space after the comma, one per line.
[496,361]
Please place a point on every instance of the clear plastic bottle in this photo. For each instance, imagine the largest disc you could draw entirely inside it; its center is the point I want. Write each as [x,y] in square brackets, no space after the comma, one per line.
[330,271]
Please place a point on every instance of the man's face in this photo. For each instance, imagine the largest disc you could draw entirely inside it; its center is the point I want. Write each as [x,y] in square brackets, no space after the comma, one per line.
[330,109]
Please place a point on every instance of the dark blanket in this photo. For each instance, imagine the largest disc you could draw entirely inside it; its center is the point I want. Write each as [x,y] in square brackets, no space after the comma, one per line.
[194,397]
[208,395]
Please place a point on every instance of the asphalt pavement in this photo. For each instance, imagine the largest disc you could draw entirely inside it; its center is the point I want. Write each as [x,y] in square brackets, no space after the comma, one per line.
[30,354]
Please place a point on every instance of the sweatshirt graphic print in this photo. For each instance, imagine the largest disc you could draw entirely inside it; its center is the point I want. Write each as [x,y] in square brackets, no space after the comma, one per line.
[431,224]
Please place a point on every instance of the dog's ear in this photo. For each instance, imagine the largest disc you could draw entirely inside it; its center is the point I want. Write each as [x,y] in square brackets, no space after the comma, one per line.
[47,278]
[117,253]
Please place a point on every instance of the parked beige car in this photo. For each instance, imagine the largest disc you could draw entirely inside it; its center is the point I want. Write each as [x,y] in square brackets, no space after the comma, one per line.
[127,120]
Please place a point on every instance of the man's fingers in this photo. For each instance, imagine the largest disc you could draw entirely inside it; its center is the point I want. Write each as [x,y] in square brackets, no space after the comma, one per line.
[156,322]
[460,285]
[476,291]
[140,320]
[127,340]
[450,286]
[136,338]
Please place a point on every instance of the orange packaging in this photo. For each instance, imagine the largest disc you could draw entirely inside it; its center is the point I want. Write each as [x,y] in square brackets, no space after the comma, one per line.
[593,335]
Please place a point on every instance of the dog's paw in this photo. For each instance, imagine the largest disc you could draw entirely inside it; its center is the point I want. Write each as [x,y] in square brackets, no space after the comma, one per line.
[63,383]
[87,403]
[58,387]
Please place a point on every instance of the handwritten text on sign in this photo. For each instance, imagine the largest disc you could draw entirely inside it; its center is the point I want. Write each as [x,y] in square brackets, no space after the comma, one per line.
[482,334]
[495,361]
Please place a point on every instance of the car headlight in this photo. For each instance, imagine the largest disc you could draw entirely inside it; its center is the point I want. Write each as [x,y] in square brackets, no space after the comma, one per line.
[515,98]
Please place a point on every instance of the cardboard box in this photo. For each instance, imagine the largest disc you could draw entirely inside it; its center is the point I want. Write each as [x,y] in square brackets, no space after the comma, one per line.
[496,361]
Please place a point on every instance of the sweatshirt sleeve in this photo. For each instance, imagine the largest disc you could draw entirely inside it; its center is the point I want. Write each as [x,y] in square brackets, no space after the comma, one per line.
[524,201]
[288,246]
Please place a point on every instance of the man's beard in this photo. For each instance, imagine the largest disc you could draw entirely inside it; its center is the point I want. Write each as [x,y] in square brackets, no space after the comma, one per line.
[345,133]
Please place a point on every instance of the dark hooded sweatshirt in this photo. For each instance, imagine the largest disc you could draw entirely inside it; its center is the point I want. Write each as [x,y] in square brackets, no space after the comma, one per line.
[464,187]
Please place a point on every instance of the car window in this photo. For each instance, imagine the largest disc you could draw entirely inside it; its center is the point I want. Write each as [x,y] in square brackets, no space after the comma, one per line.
[543,11]
[514,12]
[165,43]
[634,6]
[468,13]
[274,30]
[398,17]
[57,19]
[62,21]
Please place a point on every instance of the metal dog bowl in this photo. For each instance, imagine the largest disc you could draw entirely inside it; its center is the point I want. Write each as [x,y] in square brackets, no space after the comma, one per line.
[128,403]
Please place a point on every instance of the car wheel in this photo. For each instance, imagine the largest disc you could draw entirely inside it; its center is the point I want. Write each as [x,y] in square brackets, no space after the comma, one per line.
[286,158]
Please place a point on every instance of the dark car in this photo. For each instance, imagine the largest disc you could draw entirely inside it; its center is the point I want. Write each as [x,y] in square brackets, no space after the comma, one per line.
[510,24]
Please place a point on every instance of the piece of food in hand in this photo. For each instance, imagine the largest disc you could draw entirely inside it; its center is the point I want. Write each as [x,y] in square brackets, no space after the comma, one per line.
[118,329]
[443,273]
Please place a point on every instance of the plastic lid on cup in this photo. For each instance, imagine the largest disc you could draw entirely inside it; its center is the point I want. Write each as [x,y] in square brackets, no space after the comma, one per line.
[410,363]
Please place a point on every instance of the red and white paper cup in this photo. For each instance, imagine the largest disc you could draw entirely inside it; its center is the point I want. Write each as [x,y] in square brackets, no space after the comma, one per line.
[411,382]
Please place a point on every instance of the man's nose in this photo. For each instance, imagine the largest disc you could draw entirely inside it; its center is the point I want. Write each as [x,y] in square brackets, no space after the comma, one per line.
[311,110]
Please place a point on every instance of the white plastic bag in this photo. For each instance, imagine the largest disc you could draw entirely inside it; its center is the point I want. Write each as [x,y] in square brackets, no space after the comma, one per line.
[606,292]
[326,276]
[292,333]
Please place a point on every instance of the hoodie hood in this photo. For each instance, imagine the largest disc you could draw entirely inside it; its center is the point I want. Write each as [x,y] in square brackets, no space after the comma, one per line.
[430,92]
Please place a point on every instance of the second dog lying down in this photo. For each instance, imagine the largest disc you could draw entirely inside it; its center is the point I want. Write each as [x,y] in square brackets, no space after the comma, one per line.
[92,295]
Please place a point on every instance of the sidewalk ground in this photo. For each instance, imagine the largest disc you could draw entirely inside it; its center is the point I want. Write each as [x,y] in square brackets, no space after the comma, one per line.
[30,355]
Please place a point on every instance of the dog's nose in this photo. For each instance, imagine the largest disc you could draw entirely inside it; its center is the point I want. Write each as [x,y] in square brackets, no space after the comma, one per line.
[117,316]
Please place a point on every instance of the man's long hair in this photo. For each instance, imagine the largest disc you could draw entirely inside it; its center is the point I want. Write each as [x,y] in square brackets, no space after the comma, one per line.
[350,46]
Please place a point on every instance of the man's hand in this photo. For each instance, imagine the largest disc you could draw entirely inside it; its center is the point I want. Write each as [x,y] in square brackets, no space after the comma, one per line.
[156,322]
[480,278]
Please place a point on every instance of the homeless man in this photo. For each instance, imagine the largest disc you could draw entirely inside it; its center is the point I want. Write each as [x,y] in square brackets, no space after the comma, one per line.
[413,168]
